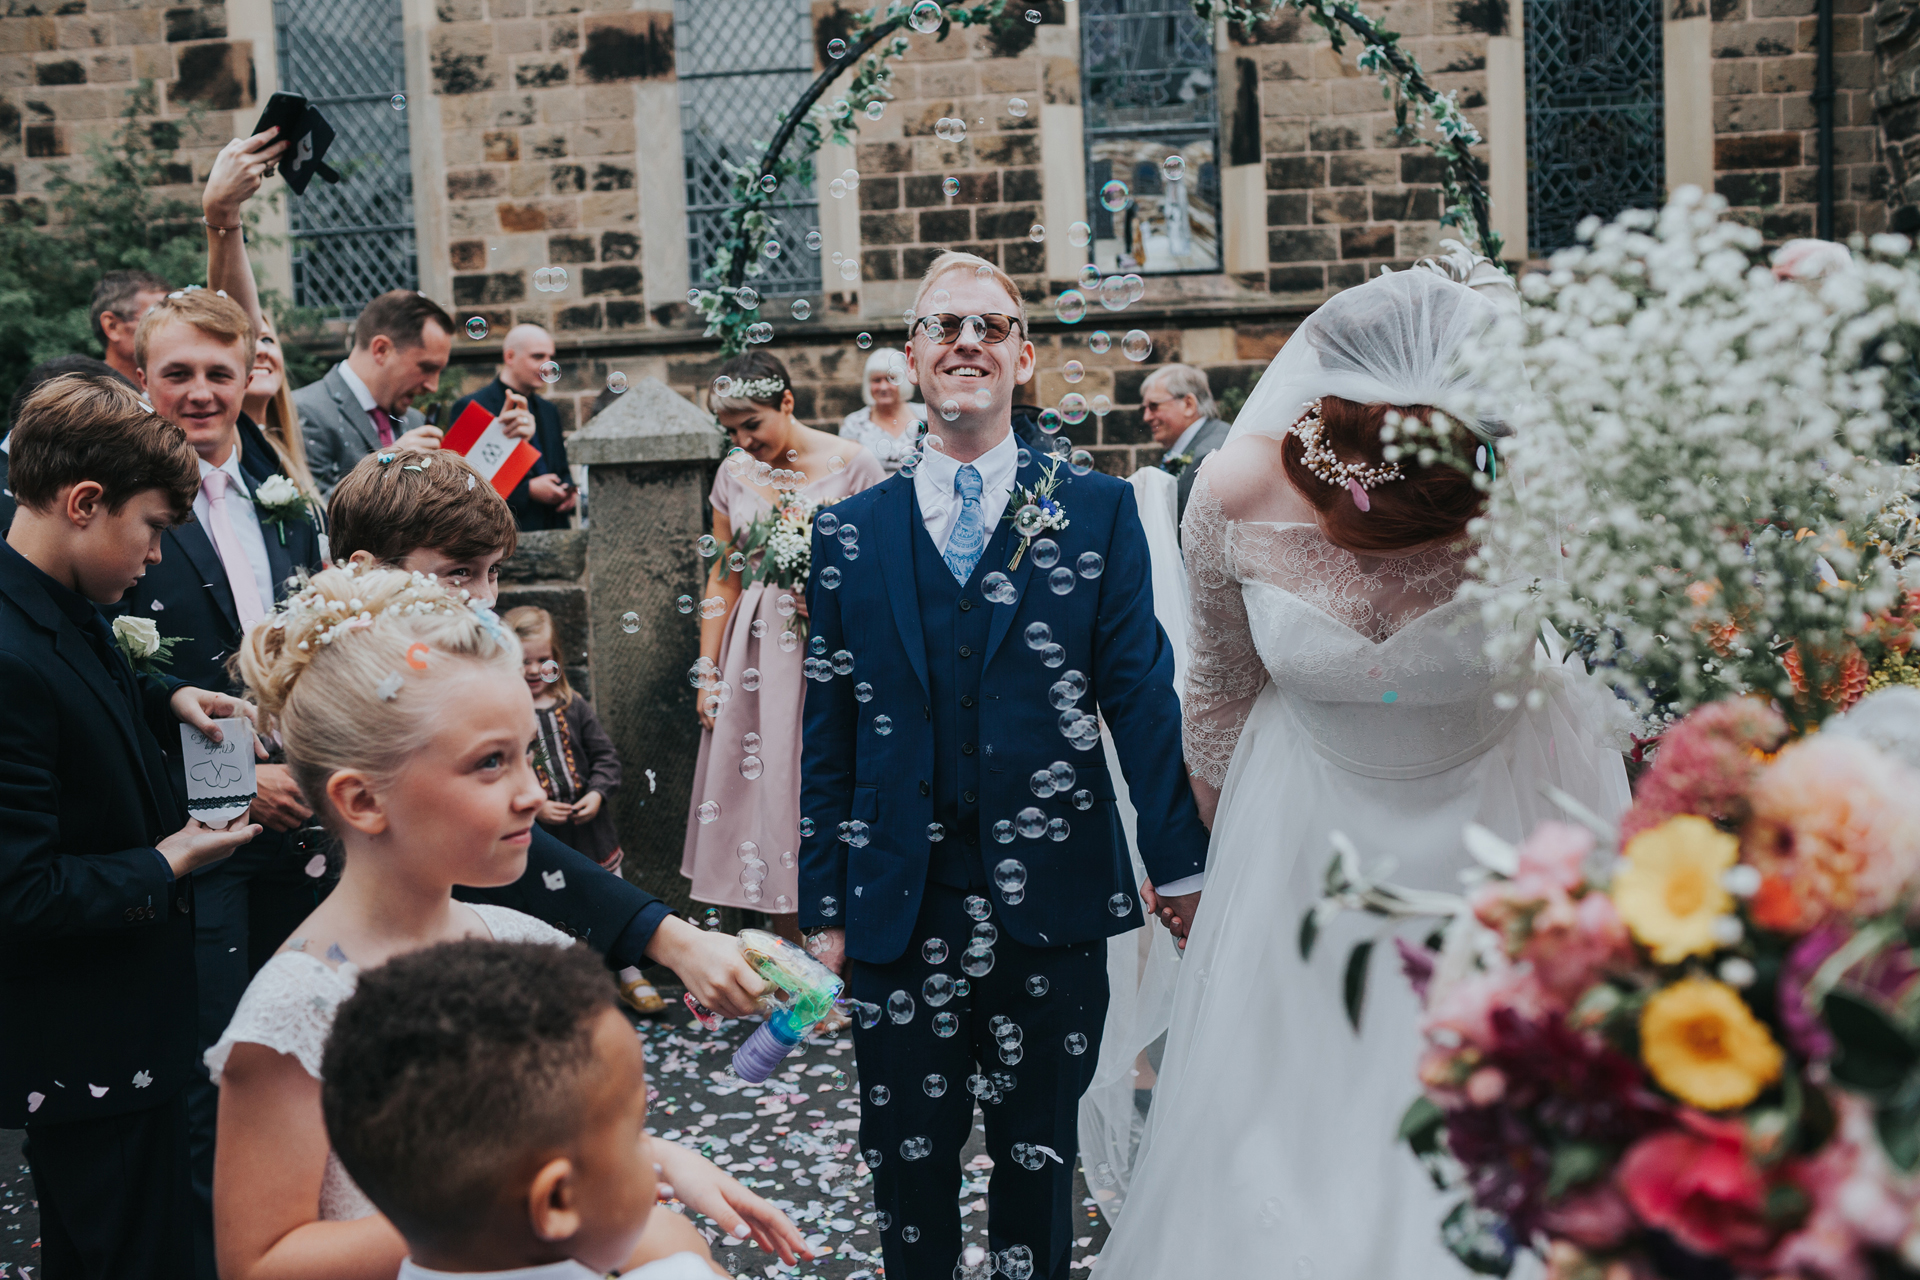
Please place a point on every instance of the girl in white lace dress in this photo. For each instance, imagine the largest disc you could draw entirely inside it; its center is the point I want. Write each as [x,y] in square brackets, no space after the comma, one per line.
[407,724]
[1336,681]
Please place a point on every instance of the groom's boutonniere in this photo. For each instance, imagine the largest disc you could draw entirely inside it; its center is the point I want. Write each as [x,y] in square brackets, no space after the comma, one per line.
[1176,463]
[279,501]
[143,644]
[1035,511]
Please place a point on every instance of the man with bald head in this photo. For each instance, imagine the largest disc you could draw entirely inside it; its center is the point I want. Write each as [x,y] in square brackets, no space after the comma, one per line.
[545,498]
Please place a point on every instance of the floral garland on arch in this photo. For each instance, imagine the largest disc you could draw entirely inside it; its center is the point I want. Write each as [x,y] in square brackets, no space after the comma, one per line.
[730,303]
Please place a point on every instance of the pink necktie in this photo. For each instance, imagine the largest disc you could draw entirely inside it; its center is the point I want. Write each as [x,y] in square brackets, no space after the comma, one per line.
[246,592]
[383,424]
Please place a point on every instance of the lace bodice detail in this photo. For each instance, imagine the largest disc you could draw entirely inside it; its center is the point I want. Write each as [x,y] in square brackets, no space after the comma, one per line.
[1278,603]
[289,1008]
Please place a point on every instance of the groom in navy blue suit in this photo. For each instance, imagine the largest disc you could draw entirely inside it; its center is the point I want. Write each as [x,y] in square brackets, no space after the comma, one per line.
[962,863]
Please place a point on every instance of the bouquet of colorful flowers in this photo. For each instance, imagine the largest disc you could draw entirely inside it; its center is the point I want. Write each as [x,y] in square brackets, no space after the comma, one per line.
[1699,1057]
[778,548]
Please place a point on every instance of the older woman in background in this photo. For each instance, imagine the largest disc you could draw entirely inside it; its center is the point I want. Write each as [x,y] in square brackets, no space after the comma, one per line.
[890,423]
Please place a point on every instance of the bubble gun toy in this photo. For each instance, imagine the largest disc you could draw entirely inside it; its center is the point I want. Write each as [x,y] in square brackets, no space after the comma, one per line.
[800,992]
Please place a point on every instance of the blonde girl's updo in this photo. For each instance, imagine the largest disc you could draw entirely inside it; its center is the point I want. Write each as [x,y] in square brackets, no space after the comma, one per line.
[348,670]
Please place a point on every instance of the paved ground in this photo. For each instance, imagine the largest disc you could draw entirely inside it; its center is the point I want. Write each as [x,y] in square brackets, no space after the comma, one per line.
[795,1146]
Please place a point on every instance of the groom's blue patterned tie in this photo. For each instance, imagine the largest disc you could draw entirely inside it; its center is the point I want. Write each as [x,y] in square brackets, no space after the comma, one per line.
[969,539]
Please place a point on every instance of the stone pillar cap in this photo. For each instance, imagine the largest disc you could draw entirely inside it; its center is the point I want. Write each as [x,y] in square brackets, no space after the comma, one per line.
[650,423]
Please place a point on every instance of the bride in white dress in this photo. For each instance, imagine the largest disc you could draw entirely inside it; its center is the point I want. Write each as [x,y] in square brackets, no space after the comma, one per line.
[1329,688]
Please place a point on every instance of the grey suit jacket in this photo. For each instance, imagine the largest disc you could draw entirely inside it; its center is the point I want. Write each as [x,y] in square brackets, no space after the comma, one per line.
[338,431]
[1212,434]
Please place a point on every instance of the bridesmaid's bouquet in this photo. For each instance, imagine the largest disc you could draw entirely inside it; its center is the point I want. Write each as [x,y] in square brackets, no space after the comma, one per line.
[778,548]
[1691,1050]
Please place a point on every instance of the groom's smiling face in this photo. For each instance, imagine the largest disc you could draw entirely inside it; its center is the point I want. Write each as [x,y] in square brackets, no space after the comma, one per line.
[960,371]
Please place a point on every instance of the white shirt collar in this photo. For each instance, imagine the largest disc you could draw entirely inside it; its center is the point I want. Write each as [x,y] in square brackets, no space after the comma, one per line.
[1186,437]
[367,403]
[997,466]
[236,482]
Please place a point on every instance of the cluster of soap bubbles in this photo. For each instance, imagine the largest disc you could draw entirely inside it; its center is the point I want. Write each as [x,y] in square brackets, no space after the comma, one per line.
[1009,1037]
[550,279]
[849,179]
[760,333]
[950,129]
[753,872]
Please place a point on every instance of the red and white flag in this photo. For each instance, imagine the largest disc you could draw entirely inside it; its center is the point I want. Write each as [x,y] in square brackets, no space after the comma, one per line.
[476,436]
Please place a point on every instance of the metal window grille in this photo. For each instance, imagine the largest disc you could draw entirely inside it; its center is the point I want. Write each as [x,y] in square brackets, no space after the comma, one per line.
[352,241]
[1149,85]
[1595,117]
[742,64]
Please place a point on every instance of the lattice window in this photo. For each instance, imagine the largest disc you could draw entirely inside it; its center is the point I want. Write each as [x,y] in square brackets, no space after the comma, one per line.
[1595,120]
[1149,87]
[352,241]
[742,63]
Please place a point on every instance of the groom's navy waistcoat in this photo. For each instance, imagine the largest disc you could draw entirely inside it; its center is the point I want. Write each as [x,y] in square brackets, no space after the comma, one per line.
[956,645]
[960,719]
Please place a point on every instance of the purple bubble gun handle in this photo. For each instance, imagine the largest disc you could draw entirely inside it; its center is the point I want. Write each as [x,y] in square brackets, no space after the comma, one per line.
[763,1051]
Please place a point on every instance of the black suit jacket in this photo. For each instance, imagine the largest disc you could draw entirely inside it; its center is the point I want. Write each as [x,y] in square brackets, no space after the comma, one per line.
[547,438]
[97,1005]
[1209,438]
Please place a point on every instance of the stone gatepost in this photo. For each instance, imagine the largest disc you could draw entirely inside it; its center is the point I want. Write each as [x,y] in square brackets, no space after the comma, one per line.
[651,457]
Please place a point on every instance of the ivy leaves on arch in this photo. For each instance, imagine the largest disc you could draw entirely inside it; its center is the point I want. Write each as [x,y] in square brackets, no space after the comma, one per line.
[874,41]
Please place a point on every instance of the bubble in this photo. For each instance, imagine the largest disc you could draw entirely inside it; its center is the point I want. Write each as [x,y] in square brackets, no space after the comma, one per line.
[751,768]
[694,296]
[837,189]
[1053,655]
[630,621]
[1038,635]
[617,382]
[949,409]
[398,102]
[1080,462]
[768,182]
[1046,553]
[813,241]
[1136,287]
[1114,196]
[926,17]
[876,109]
[801,308]
[1091,564]
[1037,233]
[759,628]
[910,1234]
[1113,293]
[1016,1261]
[1010,876]
[1083,800]
[977,961]
[978,907]
[477,328]
[1027,1156]
[788,640]
[1003,831]
[708,811]
[1101,406]
[1079,235]
[842,662]
[934,1086]
[849,270]
[847,534]
[879,1095]
[883,725]
[736,562]
[713,607]
[985,935]
[829,578]
[1033,16]
[950,186]
[1073,406]
[1017,108]
[1070,306]
[1061,579]
[1136,346]
[836,49]
[550,672]
[1072,371]
[945,1024]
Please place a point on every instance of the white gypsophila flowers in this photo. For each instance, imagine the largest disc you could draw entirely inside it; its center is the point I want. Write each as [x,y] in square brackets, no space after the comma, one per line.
[1696,476]
[138,637]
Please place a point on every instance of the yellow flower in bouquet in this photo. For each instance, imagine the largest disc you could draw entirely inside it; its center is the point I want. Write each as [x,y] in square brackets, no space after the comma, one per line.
[1705,1047]
[1669,893]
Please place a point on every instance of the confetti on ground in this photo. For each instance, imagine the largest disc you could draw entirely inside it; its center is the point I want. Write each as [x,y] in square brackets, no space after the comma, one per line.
[794,1140]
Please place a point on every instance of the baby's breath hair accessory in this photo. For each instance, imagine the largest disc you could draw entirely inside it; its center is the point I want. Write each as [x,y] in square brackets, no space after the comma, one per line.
[1328,467]
[758,388]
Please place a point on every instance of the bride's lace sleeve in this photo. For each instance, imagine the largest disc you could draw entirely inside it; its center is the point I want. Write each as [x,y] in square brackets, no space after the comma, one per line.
[1224,671]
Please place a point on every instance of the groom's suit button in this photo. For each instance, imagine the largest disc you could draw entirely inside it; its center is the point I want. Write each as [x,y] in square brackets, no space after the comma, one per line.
[965,604]
[966,699]
[925,790]
[966,748]
[966,651]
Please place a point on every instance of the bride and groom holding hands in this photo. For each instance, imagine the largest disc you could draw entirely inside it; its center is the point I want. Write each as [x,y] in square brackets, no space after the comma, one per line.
[964,858]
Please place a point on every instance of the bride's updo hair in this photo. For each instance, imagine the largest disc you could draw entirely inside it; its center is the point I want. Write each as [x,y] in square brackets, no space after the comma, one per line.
[348,670]
[1430,503]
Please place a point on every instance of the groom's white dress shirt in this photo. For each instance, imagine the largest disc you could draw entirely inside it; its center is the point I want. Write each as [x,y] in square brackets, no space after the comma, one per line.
[940,505]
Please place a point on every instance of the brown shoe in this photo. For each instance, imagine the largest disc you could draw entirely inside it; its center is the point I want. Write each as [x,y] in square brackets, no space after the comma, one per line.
[641,997]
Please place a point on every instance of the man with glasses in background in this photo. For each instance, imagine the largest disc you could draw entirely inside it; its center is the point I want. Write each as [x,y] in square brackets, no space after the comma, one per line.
[1178,406]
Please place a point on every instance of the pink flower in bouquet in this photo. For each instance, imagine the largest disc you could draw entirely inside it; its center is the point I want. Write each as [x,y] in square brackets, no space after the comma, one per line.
[1858,1202]
[1595,1217]
[1696,1184]
[1574,943]
[1839,824]
[1706,764]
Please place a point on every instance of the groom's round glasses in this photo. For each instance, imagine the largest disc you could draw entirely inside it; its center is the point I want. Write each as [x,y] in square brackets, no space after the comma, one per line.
[945,327]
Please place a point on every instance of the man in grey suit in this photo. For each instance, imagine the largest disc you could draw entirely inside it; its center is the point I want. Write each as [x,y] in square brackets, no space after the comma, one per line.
[401,343]
[1178,406]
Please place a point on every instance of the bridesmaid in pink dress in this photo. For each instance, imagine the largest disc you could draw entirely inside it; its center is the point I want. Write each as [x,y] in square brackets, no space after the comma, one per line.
[743,853]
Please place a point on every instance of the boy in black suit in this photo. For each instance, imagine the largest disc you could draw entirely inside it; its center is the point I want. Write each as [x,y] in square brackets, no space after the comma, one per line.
[97,991]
